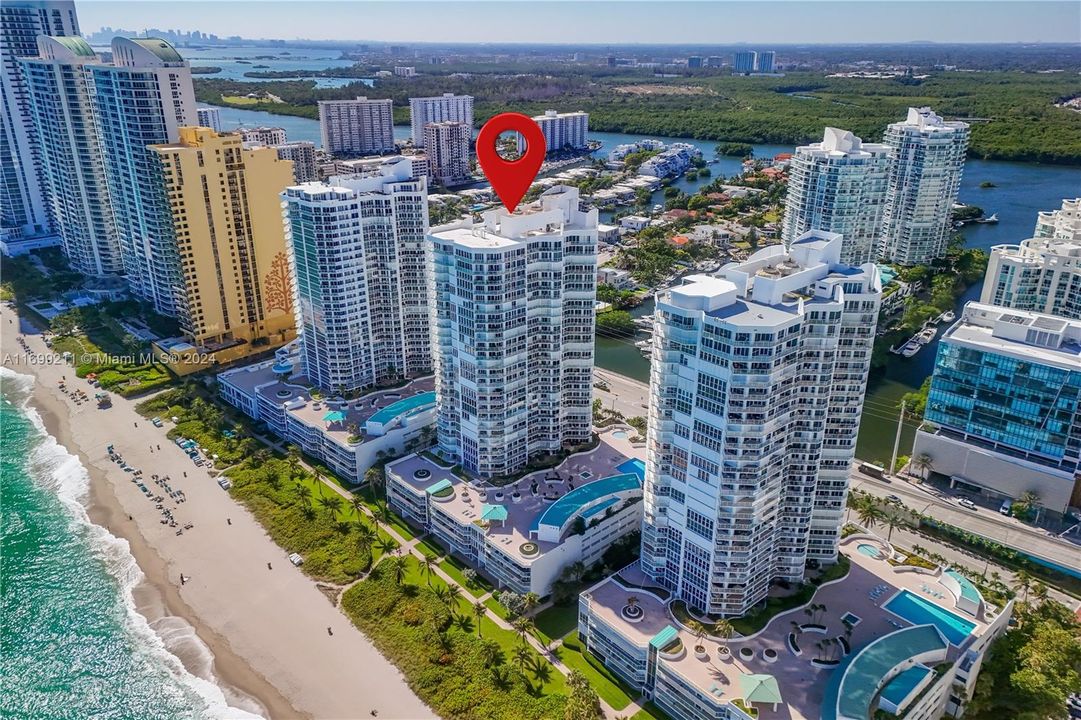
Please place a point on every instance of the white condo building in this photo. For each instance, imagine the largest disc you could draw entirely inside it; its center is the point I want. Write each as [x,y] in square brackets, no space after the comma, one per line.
[357,127]
[448,107]
[1038,274]
[148,74]
[757,384]
[446,145]
[357,248]
[764,61]
[562,131]
[744,61]
[72,165]
[513,332]
[927,159]
[24,211]
[838,185]
[263,135]
[1062,224]
[302,155]
[209,117]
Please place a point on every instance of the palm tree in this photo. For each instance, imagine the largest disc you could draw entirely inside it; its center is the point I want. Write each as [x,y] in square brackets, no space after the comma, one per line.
[1024,581]
[530,601]
[922,463]
[331,504]
[869,514]
[478,612]
[319,480]
[501,677]
[428,563]
[366,537]
[892,521]
[453,593]
[1039,591]
[521,657]
[356,503]
[440,593]
[294,461]
[699,631]
[304,493]
[491,653]
[397,567]
[723,630]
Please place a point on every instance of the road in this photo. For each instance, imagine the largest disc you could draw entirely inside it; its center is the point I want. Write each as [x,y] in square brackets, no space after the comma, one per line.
[628,396]
[930,500]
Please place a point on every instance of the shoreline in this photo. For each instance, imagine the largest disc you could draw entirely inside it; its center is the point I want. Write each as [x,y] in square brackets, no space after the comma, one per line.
[260,637]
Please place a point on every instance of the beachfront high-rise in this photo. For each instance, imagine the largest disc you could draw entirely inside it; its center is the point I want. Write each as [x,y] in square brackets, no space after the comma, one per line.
[448,107]
[562,131]
[744,61]
[70,153]
[927,158]
[236,297]
[25,221]
[763,63]
[513,332]
[1003,413]
[357,246]
[756,387]
[447,148]
[209,117]
[838,185]
[351,128]
[302,155]
[143,99]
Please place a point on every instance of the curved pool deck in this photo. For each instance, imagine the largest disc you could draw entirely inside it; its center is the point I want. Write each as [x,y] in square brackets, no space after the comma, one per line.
[968,590]
[558,513]
[918,611]
[406,406]
[856,681]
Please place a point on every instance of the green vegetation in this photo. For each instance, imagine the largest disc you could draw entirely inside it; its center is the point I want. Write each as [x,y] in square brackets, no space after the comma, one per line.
[23,281]
[653,258]
[732,149]
[1018,118]
[463,667]
[556,621]
[615,322]
[1033,668]
[620,299]
[131,374]
[608,685]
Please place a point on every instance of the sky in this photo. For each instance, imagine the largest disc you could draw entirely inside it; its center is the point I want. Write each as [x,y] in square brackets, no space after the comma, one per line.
[621,22]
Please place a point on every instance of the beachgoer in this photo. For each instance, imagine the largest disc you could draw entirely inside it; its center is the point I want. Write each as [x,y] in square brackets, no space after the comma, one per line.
[268,567]
[329,631]
[159,447]
[229,521]
[136,424]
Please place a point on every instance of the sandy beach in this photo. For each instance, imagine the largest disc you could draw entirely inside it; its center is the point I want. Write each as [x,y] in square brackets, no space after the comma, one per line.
[265,627]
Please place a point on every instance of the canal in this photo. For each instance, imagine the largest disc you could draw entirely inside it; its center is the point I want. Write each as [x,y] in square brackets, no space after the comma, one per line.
[1022,190]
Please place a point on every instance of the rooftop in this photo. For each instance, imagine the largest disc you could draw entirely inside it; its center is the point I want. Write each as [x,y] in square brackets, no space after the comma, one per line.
[1033,336]
[871,584]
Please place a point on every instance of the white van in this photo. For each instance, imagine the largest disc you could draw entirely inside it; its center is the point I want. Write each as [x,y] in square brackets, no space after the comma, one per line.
[1006,505]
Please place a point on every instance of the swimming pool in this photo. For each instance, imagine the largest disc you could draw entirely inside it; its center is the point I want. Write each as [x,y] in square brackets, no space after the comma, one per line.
[559,512]
[634,465]
[620,434]
[968,590]
[868,550]
[918,611]
[402,407]
[900,687]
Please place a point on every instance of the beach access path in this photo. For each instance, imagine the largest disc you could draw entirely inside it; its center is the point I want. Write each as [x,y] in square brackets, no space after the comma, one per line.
[267,625]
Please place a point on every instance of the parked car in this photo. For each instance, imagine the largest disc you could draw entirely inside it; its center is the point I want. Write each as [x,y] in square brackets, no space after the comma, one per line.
[225,483]
[296,559]
[966,503]
[894,499]
[1005,507]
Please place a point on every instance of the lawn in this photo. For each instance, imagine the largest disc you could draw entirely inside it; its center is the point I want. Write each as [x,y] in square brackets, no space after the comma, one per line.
[240,100]
[650,712]
[497,607]
[556,621]
[430,548]
[124,378]
[453,567]
[442,657]
[609,687]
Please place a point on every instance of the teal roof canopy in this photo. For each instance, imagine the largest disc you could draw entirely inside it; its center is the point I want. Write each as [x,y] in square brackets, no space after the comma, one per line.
[439,486]
[334,416]
[760,688]
[493,512]
[665,637]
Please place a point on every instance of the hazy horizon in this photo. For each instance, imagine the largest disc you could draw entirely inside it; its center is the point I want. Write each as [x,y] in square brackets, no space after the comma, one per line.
[620,23]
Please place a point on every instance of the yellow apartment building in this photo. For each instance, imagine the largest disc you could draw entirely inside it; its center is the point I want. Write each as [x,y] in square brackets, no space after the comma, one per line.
[236,295]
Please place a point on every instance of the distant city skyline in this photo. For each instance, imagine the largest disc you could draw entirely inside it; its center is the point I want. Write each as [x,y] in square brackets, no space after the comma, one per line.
[627,22]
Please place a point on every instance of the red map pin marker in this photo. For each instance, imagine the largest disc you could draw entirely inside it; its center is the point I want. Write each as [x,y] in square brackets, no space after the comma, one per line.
[511,178]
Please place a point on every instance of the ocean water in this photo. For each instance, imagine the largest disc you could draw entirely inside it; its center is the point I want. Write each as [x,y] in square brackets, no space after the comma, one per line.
[71,643]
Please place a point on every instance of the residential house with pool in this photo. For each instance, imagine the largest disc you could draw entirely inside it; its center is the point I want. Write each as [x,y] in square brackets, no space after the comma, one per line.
[522,535]
[888,640]
[348,435]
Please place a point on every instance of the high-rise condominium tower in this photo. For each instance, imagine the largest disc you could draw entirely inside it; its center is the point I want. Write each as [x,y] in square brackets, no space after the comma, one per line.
[358,252]
[1038,274]
[447,147]
[24,211]
[1063,224]
[514,320]
[756,389]
[562,131]
[927,158]
[446,108]
[839,186]
[356,127]
[744,61]
[209,117]
[236,296]
[70,153]
[143,99]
